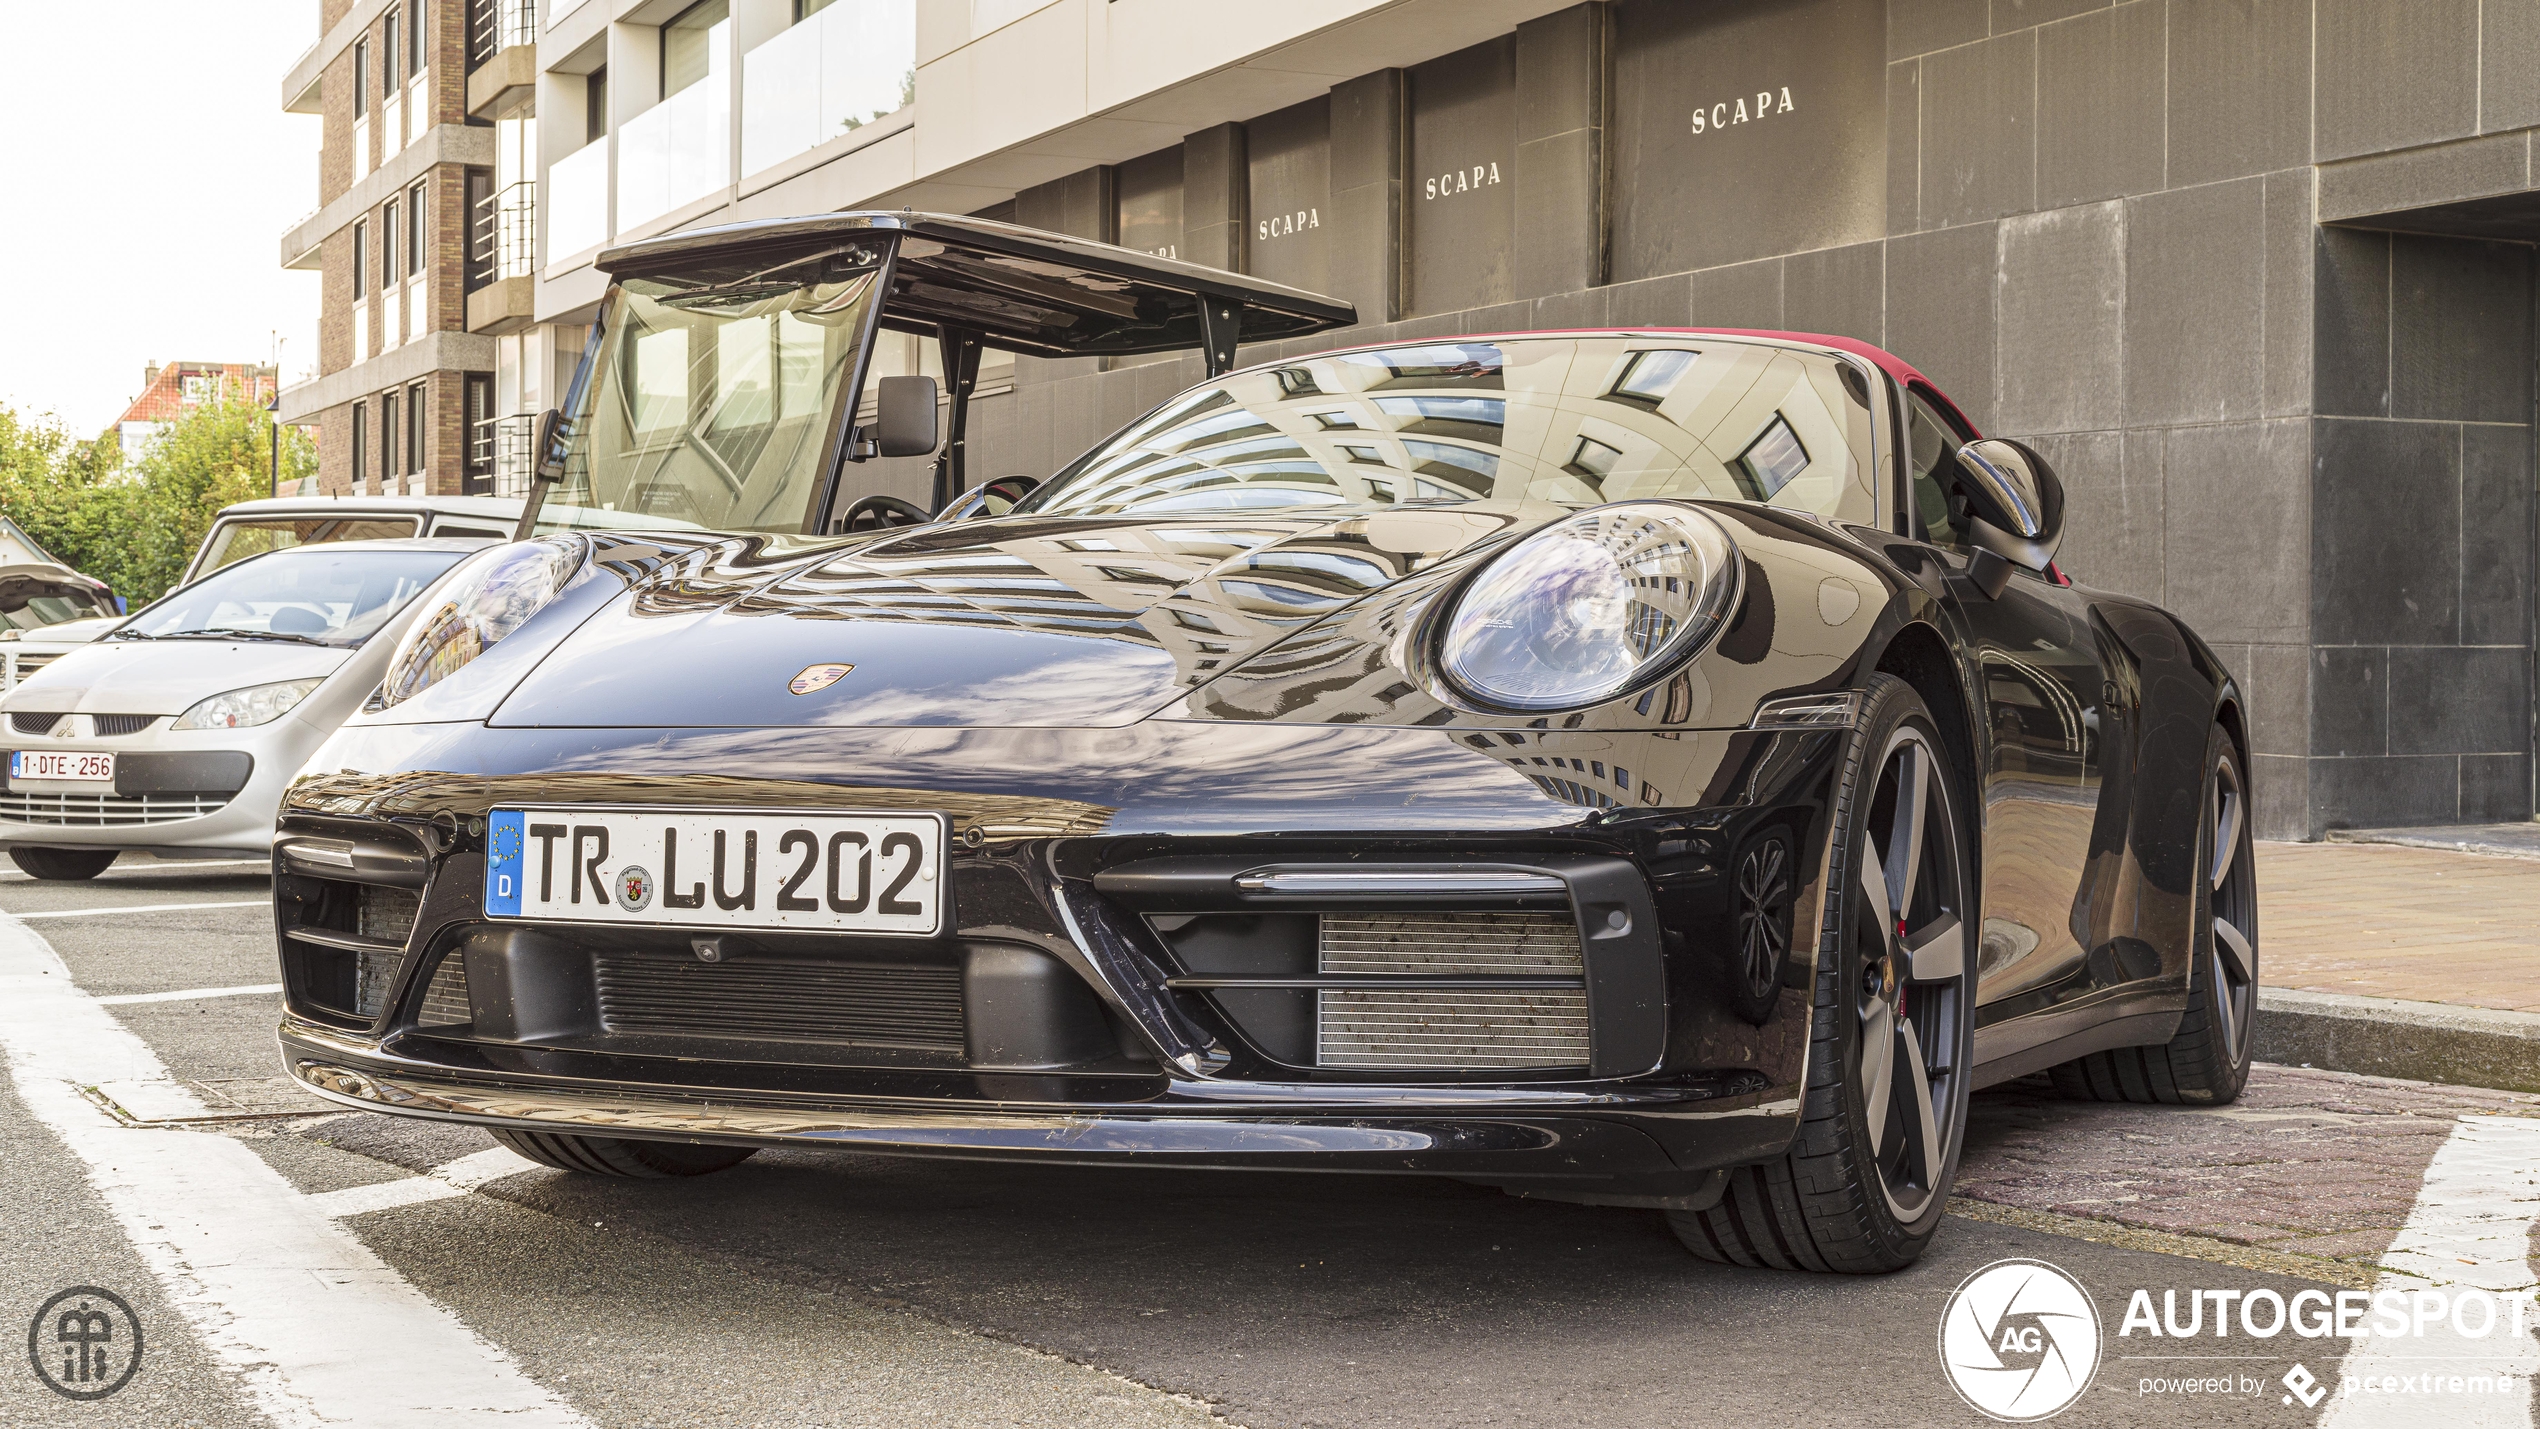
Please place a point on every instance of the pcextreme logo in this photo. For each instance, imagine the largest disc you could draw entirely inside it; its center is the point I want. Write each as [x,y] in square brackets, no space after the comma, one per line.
[2019,1340]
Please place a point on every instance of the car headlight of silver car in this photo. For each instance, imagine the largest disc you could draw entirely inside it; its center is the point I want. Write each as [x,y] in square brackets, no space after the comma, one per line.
[1592,606]
[242,709]
[488,597]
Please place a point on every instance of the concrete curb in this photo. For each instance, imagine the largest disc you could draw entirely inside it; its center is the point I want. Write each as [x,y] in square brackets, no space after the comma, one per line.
[2384,1037]
[2493,840]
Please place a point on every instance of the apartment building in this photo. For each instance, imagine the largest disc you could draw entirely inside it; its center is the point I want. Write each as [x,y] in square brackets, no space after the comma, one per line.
[2257,275]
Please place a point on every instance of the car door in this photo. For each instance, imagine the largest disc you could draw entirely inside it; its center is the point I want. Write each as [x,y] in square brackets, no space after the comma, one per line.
[2037,666]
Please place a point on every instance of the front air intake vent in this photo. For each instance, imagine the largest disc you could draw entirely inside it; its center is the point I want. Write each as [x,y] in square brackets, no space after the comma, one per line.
[836,1003]
[111,725]
[387,914]
[445,1001]
[35,721]
[1450,1028]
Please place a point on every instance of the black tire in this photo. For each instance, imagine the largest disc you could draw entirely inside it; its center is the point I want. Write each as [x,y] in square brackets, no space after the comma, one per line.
[64,864]
[616,1156]
[2206,1063]
[1847,1197]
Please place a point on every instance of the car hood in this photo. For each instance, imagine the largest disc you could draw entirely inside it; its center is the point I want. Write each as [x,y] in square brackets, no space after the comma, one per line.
[1033,621]
[163,677]
[71,632]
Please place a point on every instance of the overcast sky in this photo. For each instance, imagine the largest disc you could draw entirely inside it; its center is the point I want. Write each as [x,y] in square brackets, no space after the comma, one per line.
[147,173]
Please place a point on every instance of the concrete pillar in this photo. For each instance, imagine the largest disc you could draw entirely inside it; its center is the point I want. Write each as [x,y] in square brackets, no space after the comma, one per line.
[1370,145]
[1214,179]
[1563,61]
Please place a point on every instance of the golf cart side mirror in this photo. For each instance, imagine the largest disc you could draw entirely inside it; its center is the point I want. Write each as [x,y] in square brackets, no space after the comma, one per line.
[904,420]
[554,436]
[2015,501]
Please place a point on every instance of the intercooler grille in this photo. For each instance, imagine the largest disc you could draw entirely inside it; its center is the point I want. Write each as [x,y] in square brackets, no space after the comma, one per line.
[1451,1028]
[837,1003]
[387,913]
[445,1001]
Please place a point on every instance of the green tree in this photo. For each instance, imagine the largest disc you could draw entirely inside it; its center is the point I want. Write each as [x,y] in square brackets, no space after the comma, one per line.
[135,525]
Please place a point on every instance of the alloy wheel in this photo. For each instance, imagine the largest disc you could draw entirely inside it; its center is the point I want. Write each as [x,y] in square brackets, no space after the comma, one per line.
[1912,970]
[1763,915]
[2232,953]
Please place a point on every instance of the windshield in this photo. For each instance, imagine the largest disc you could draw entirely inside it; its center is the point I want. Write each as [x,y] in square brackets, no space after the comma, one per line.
[1577,421]
[712,396]
[319,595]
[236,539]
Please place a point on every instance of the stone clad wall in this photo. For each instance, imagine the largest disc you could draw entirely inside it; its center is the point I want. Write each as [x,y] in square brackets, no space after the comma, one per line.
[2095,225]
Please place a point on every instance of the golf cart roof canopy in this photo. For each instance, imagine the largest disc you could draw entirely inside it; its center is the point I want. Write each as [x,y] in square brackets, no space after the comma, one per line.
[1022,289]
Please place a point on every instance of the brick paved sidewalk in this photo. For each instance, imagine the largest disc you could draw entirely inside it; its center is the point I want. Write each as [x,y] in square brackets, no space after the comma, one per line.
[2307,1163]
[2378,920]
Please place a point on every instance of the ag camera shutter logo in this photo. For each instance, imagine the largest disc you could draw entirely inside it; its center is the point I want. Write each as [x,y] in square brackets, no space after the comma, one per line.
[2019,1341]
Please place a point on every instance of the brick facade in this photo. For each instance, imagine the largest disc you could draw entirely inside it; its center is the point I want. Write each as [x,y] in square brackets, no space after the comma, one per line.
[442,100]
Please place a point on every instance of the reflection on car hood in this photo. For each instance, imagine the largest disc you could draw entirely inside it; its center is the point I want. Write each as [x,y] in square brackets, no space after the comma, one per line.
[162,677]
[1041,621]
[71,632]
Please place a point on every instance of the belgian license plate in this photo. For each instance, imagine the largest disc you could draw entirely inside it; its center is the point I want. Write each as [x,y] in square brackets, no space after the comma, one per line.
[718,869]
[67,764]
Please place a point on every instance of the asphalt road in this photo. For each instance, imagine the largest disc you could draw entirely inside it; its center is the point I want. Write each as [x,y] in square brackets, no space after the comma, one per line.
[835,1289]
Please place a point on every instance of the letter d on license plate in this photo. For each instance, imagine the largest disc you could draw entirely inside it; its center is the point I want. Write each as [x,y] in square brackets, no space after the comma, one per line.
[718,869]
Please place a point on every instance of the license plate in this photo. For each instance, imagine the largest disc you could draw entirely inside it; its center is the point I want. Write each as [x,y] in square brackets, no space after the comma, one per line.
[718,869]
[67,764]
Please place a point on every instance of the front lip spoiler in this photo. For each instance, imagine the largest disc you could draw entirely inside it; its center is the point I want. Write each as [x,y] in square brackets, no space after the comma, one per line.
[555,1109]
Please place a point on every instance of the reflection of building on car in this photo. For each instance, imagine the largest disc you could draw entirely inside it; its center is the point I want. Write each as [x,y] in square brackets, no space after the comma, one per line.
[1595,764]
[177,732]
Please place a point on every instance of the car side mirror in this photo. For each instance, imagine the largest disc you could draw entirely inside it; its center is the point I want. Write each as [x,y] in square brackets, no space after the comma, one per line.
[904,419]
[2015,503]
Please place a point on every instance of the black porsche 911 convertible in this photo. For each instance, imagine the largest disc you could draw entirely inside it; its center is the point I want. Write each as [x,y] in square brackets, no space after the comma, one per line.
[1641,768]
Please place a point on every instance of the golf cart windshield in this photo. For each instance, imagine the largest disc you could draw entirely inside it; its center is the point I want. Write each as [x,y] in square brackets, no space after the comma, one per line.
[712,399]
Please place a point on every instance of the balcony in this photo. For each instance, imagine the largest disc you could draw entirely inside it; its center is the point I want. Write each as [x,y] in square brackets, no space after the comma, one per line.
[503,243]
[498,455]
[502,58]
[839,70]
[578,200]
[676,152]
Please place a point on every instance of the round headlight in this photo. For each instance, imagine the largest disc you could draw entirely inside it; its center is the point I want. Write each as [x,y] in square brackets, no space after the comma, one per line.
[485,599]
[1592,605]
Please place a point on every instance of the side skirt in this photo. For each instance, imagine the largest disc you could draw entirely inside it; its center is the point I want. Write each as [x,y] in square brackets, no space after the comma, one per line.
[2142,1029]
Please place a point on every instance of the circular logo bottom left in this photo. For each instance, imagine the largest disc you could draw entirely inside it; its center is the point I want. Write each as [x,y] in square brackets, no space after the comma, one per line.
[85,1343]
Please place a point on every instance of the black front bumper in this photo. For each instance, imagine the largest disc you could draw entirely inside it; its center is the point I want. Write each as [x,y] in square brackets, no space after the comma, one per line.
[1679,1086]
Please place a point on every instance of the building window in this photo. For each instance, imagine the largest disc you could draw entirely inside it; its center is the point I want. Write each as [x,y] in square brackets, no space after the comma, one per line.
[389,237]
[361,441]
[805,9]
[414,40]
[393,50]
[361,258]
[416,244]
[477,472]
[390,439]
[595,105]
[687,45]
[478,243]
[361,78]
[415,409]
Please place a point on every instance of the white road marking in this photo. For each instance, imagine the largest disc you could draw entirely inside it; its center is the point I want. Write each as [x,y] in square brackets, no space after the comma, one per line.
[144,908]
[317,1329]
[450,1178]
[189,994]
[2471,1229]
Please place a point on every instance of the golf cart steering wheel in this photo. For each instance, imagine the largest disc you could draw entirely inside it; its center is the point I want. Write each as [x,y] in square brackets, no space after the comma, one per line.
[882,513]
